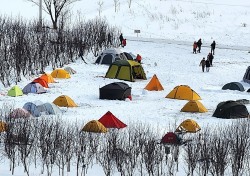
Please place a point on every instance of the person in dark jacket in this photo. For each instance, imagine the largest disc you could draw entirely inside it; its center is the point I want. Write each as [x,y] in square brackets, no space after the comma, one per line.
[213,47]
[207,65]
[203,64]
[210,57]
[199,43]
[121,39]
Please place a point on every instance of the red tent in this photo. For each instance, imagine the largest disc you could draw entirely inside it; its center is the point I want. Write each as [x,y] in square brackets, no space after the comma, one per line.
[110,121]
[170,138]
[41,81]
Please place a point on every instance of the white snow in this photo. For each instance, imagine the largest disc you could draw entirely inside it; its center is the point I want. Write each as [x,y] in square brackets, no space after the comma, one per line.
[168,29]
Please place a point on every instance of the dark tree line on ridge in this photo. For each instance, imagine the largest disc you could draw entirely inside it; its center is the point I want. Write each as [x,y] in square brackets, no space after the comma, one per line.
[50,145]
[26,49]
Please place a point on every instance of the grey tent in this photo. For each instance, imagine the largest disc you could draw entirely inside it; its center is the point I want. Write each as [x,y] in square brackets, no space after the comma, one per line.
[50,109]
[130,56]
[246,77]
[231,110]
[233,86]
[110,55]
[115,91]
[70,70]
[34,88]
[33,108]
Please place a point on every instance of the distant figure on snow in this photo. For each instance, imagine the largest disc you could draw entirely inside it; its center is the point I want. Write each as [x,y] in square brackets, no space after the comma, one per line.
[121,39]
[210,57]
[109,39]
[199,43]
[203,64]
[207,65]
[194,47]
[124,42]
[138,58]
[213,47]
[81,52]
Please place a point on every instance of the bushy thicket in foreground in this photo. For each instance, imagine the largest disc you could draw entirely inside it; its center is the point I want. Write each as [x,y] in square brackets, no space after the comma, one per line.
[51,145]
[26,50]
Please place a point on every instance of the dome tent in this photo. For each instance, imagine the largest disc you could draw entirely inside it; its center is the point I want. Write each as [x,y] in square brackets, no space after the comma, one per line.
[233,86]
[188,126]
[70,70]
[60,73]
[194,106]
[126,70]
[110,121]
[183,92]
[95,126]
[15,91]
[64,101]
[34,87]
[109,55]
[171,138]
[231,110]
[115,91]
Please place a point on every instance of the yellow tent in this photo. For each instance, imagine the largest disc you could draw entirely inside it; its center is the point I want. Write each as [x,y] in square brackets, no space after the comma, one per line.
[95,126]
[189,126]
[154,84]
[183,92]
[60,73]
[47,77]
[64,101]
[194,106]
[3,126]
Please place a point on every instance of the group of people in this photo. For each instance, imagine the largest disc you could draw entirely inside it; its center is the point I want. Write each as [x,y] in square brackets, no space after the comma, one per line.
[123,42]
[205,63]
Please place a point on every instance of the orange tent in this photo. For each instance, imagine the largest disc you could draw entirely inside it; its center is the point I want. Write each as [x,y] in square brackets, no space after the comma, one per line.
[48,78]
[60,73]
[154,84]
[41,81]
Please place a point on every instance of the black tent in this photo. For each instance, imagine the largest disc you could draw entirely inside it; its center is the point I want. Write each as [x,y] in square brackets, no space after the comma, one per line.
[246,77]
[233,86]
[231,110]
[130,56]
[115,91]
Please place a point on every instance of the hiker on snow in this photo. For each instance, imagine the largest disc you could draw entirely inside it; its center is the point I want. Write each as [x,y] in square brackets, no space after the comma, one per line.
[207,65]
[199,43]
[138,58]
[213,47]
[210,57]
[121,39]
[203,64]
[124,42]
[194,47]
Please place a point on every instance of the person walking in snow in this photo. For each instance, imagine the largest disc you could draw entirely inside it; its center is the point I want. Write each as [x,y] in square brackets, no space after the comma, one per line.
[207,65]
[213,47]
[124,42]
[199,43]
[203,64]
[194,47]
[210,57]
[121,39]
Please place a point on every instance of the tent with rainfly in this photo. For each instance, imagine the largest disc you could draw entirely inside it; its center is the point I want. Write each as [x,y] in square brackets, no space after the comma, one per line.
[194,106]
[60,73]
[110,121]
[246,77]
[33,108]
[183,92]
[64,101]
[127,70]
[15,91]
[110,55]
[188,126]
[171,138]
[154,84]
[115,91]
[34,87]
[19,113]
[47,77]
[233,86]
[41,81]
[94,126]
[231,110]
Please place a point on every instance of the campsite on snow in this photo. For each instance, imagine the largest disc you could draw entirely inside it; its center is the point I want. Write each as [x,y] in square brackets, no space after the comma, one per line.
[121,88]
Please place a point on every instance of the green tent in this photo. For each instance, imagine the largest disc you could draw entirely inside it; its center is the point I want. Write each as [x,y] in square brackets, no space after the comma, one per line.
[127,70]
[15,91]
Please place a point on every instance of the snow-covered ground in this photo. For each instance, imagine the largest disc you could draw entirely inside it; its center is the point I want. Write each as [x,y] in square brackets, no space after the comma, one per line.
[173,64]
